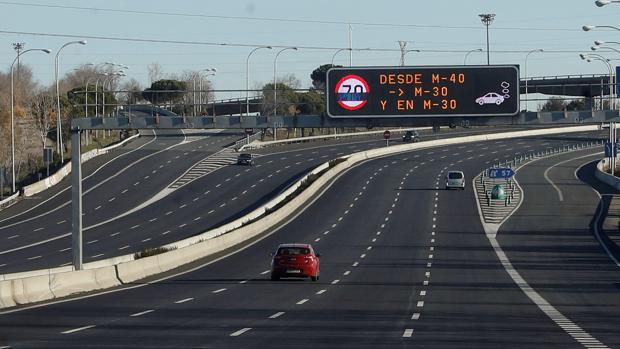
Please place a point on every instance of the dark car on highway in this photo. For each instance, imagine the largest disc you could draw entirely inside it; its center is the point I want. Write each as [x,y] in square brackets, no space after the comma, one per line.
[295,260]
[245,159]
[411,136]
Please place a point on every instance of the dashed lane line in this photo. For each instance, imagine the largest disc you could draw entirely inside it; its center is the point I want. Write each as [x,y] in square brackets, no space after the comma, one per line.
[240,332]
[78,329]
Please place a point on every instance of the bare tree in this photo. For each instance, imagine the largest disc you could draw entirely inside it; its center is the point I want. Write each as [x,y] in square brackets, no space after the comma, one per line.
[42,114]
[155,72]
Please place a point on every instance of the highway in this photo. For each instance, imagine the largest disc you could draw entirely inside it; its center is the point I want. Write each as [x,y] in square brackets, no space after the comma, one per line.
[41,239]
[404,264]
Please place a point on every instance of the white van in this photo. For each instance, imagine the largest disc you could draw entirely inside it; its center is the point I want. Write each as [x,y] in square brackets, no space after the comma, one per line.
[455,179]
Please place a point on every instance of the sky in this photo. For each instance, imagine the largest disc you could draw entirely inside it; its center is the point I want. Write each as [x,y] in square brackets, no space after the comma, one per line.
[442,30]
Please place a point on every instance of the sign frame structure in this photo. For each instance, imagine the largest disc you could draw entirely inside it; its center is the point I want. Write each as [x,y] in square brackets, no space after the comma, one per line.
[362,91]
[501,173]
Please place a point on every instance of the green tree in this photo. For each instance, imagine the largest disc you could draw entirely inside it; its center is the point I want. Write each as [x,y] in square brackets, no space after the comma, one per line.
[319,76]
[287,100]
[165,91]
[311,103]
[553,104]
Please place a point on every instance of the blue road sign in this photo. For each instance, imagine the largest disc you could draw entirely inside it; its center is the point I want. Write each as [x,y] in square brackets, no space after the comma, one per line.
[501,173]
[611,147]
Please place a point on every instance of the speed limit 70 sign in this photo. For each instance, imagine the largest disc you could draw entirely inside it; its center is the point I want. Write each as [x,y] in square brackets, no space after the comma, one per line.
[352,91]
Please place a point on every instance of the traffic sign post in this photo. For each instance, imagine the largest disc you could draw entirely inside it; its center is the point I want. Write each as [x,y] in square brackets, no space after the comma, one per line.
[501,173]
[424,91]
[248,132]
[387,135]
[48,157]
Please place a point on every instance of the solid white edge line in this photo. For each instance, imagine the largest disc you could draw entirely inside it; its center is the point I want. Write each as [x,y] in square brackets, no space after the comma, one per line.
[546,307]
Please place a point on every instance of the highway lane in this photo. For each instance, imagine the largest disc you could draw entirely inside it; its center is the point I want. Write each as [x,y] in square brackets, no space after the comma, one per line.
[203,204]
[551,243]
[100,200]
[371,305]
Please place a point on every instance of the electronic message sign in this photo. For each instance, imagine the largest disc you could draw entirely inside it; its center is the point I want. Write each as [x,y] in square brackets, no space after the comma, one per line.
[425,91]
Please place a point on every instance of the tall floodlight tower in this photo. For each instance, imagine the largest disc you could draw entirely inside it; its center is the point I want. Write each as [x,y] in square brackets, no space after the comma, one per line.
[487,19]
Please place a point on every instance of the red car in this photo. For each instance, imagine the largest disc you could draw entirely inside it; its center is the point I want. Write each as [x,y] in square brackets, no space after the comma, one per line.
[295,260]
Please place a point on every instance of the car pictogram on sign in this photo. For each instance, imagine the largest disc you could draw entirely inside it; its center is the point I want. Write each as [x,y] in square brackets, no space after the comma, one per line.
[352,92]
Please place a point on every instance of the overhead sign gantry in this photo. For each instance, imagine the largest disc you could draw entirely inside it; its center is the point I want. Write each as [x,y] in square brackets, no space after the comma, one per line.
[424,91]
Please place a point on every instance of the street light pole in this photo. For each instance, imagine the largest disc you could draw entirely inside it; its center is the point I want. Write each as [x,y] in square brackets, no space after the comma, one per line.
[337,52]
[59,145]
[275,82]
[468,53]
[405,54]
[13,111]
[210,72]
[487,19]
[247,78]
[526,56]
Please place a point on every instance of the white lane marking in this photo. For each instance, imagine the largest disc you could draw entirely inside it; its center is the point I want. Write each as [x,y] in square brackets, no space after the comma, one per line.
[243,281]
[415,316]
[356,264]
[152,220]
[112,199]
[182,206]
[166,232]
[346,273]
[431,248]
[196,199]
[430,256]
[135,226]
[363,255]
[197,219]
[408,333]
[124,247]
[302,301]
[98,207]
[335,282]
[369,248]
[222,205]
[220,290]
[420,304]
[422,293]
[78,329]
[427,274]
[240,332]
[124,191]
[168,213]
[210,211]
[114,234]
[61,222]
[321,291]
[97,255]
[146,240]
[429,264]
[374,240]
[136,184]
[326,232]
[33,258]
[13,237]
[65,249]
[265,272]
[425,283]
[317,239]
[182,225]
[184,300]
[276,315]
